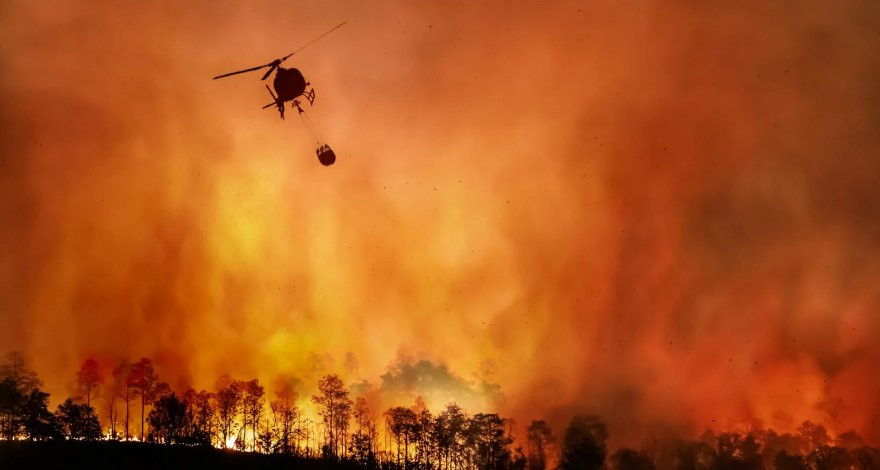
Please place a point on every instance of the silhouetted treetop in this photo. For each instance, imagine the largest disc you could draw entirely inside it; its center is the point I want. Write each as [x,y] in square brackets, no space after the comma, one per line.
[583,447]
[78,421]
[14,367]
[351,432]
[89,379]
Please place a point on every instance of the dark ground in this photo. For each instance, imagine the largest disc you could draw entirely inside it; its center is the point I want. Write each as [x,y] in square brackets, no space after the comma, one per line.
[73,455]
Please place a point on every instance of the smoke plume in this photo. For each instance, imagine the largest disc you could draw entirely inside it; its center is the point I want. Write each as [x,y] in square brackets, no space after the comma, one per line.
[665,213]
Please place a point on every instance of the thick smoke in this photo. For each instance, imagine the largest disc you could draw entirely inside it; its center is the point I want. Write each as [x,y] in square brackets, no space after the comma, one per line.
[436,386]
[665,213]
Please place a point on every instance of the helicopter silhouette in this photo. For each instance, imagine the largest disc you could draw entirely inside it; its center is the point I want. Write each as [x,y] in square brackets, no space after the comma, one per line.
[290,84]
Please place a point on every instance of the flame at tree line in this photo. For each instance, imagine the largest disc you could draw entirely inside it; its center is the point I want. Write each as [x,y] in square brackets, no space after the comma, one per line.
[240,415]
[665,215]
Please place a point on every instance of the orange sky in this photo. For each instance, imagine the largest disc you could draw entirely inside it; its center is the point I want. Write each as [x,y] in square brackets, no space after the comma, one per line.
[666,212]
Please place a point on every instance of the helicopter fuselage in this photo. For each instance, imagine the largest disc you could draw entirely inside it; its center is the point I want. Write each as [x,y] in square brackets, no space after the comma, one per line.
[289,84]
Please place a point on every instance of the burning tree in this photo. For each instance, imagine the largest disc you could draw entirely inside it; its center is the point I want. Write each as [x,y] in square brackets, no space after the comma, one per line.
[200,416]
[251,407]
[142,379]
[335,411]
[490,442]
[89,379]
[449,429]
[284,415]
[120,388]
[23,406]
[38,423]
[78,421]
[539,437]
[363,441]
[228,399]
[169,420]
[584,445]
[401,422]
[14,367]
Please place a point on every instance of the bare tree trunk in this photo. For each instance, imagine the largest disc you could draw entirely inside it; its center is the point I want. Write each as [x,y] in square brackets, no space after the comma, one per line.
[127,406]
[142,415]
[114,415]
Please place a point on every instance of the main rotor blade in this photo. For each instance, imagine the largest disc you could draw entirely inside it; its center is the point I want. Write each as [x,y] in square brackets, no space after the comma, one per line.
[275,63]
[243,71]
[271,69]
[314,40]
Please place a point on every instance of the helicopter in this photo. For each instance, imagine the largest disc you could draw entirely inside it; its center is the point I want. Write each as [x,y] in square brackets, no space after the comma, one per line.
[290,85]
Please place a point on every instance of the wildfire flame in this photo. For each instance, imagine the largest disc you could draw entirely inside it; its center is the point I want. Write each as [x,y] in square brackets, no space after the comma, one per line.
[666,215]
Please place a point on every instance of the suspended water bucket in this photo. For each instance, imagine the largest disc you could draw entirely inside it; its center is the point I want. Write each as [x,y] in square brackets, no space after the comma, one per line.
[325,155]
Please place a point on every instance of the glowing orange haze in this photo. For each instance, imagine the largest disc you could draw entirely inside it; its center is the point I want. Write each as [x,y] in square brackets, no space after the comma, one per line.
[667,214]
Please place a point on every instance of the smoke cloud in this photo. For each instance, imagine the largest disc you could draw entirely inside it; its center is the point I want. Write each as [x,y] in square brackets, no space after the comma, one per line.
[665,213]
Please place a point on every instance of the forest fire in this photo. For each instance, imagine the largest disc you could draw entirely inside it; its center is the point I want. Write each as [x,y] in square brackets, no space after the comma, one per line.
[665,217]
[240,416]
[237,416]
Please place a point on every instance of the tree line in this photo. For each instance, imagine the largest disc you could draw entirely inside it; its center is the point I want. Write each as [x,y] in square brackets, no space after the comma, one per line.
[239,415]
